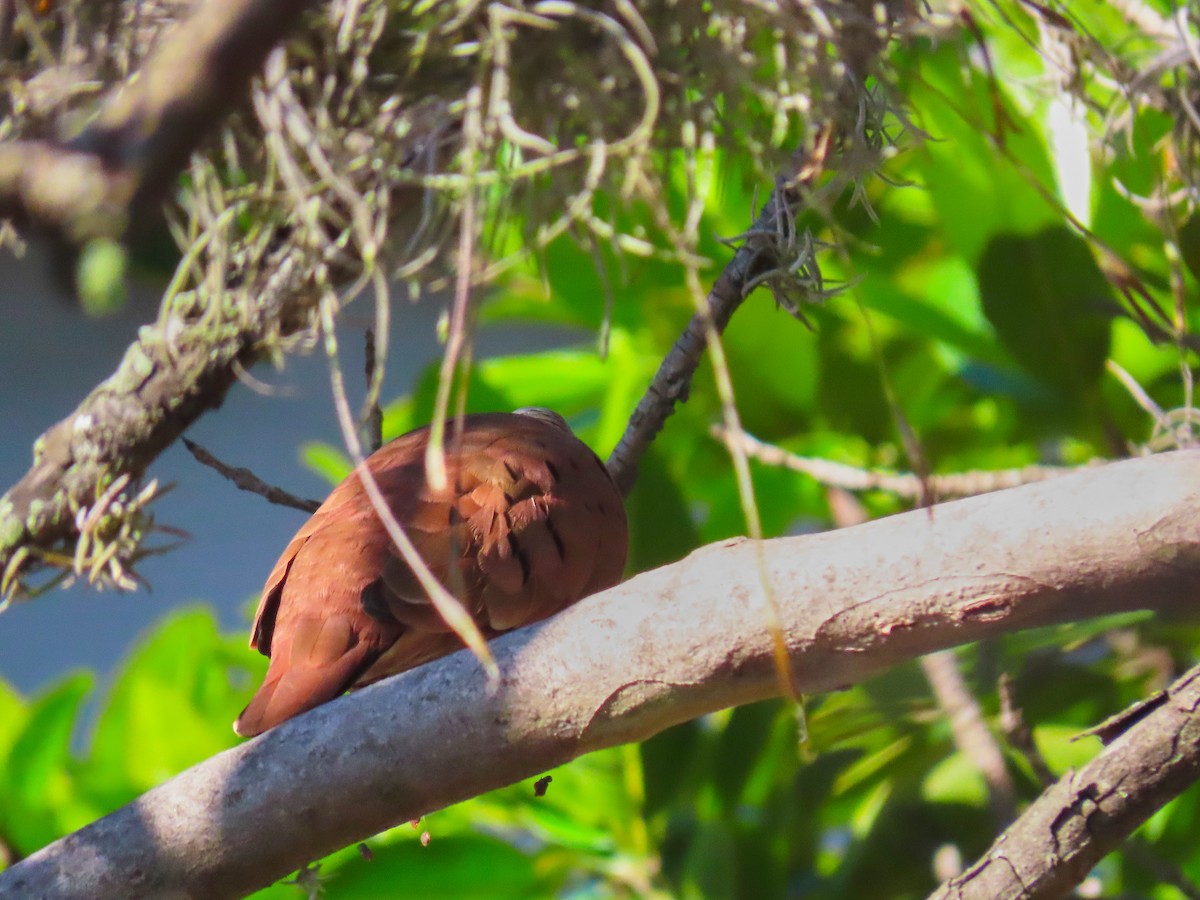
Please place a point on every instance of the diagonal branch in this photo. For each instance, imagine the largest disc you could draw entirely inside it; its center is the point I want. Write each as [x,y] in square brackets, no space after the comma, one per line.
[245,480]
[971,733]
[673,380]
[1087,814]
[664,647]
[176,370]
[95,187]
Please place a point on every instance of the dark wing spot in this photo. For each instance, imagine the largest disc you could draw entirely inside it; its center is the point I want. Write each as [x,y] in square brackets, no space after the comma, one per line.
[553,471]
[375,606]
[600,463]
[521,556]
[602,509]
[558,542]
[514,474]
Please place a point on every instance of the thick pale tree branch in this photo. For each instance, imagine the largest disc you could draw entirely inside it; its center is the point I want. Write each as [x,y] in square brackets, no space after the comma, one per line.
[664,647]
[124,161]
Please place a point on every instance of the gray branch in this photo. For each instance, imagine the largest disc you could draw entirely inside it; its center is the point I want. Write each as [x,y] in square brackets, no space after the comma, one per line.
[662,648]
[673,380]
[1087,814]
[175,371]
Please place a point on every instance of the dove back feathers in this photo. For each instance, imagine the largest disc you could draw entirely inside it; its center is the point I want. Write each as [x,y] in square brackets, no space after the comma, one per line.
[530,521]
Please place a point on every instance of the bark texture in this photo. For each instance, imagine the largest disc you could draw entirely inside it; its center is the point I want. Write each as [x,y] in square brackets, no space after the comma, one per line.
[1088,813]
[664,647]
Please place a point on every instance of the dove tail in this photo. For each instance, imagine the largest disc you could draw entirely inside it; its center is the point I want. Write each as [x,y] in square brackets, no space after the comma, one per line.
[295,690]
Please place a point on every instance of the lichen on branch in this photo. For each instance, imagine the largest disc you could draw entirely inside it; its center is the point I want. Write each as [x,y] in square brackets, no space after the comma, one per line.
[351,157]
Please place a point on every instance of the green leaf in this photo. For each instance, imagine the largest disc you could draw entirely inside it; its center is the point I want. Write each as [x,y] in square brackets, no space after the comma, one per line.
[1063,747]
[100,277]
[326,460]
[14,713]
[872,765]
[936,297]
[1189,245]
[776,363]
[710,871]
[1050,304]
[563,380]
[740,749]
[850,394]
[669,760]
[955,780]
[982,175]
[169,708]
[661,526]
[459,867]
[38,800]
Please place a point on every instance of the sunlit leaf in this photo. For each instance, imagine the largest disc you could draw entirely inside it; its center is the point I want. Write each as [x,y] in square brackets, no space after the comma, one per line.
[460,867]
[165,709]
[329,462]
[1063,747]
[38,797]
[956,779]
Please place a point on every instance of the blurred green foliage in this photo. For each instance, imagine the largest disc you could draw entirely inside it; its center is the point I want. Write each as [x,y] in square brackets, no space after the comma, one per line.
[974,308]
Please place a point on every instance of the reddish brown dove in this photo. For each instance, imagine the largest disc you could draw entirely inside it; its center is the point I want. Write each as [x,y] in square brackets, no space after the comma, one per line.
[530,522]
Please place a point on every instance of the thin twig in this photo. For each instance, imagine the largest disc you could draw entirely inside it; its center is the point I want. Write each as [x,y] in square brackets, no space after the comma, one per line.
[1139,395]
[245,480]
[457,344]
[905,485]
[1018,733]
[373,422]
[971,733]
[1173,429]
[672,381]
